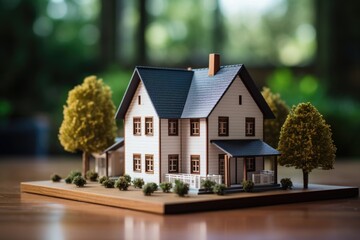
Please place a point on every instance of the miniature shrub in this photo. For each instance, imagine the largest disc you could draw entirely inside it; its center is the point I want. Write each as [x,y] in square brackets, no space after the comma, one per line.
[138,182]
[166,186]
[219,189]
[122,184]
[181,188]
[127,178]
[286,183]
[154,186]
[68,180]
[102,179]
[55,177]
[92,175]
[207,184]
[79,181]
[71,176]
[148,189]
[108,183]
[248,185]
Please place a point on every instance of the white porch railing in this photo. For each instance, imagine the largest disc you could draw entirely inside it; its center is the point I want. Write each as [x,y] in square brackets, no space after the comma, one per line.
[264,177]
[193,180]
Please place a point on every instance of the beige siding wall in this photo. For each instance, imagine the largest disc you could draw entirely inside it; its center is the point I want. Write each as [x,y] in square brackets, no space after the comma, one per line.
[229,107]
[193,145]
[169,145]
[141,144]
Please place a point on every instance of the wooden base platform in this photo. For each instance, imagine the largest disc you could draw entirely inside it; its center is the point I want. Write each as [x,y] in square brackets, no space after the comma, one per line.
[170,203]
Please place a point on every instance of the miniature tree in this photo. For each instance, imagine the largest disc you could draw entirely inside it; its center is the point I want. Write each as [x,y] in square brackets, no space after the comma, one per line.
[272,127]
[306,142]
[88,124]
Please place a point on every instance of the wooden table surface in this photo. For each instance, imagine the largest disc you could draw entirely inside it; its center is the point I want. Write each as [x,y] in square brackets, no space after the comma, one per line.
[28,216]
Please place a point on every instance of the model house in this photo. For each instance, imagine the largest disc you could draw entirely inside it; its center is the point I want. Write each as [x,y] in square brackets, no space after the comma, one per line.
[195,123]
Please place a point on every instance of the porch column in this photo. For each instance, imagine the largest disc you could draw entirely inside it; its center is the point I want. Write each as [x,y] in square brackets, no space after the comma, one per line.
[107,164]
[227,170]
[275,167]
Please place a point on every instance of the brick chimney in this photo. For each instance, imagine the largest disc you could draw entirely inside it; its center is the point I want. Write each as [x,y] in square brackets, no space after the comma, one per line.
[214,63]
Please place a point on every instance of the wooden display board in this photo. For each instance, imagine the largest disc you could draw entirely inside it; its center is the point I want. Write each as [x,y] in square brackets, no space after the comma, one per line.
[170,203]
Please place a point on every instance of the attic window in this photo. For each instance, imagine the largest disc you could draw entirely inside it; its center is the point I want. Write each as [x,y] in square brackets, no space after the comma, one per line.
[139,99]
[240,100]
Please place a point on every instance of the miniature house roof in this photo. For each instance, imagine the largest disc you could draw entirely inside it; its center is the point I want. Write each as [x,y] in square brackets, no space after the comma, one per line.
[119,142]
[245,148]
[179,93]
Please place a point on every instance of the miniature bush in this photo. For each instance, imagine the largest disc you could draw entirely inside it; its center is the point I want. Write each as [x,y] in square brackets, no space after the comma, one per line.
[71,176]
[207,184]
[138,182]
[79,181]
[122,184]
[286,183]
[127,178]
[55,177]
[148,189]
[92,175]
[181,188]
[154,186]
[248,185]
[108,183]
[166,186]
[219,189]
[102,179]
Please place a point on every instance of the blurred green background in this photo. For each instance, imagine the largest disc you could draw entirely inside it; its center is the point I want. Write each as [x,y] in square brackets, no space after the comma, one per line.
[305,50]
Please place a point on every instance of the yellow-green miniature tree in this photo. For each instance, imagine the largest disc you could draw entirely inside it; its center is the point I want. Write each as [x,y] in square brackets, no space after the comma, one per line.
[306,141]
[89,124]
[272,127]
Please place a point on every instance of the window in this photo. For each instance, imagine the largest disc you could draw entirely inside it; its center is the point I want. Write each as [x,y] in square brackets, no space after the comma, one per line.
[148,126]
[195,127]
[223,126]
[173,163]
[137,125]
[139,100]
[173,127]
[137,162]
[240,100]
[149,162]
[250,164]
[222,166]
[195,164]
[250,127]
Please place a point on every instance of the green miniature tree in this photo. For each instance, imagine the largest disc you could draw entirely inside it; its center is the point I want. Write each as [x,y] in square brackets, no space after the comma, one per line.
[306,142]
[272,127]
[88,124]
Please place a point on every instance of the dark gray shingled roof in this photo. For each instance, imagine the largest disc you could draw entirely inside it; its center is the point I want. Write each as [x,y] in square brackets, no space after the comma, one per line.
[178,93]
[245,148]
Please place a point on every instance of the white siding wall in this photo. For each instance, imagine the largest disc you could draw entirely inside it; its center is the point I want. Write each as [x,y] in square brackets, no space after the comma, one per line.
[141,144]
[169,145]
[193,145]
[229,107]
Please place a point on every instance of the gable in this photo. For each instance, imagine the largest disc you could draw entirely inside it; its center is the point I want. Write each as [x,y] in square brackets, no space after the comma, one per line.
[167,89]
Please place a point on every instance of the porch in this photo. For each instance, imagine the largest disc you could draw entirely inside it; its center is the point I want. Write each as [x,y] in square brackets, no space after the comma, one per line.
[241,149]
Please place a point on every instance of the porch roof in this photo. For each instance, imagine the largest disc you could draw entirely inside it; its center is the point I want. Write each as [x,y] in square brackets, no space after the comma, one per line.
[245,148]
